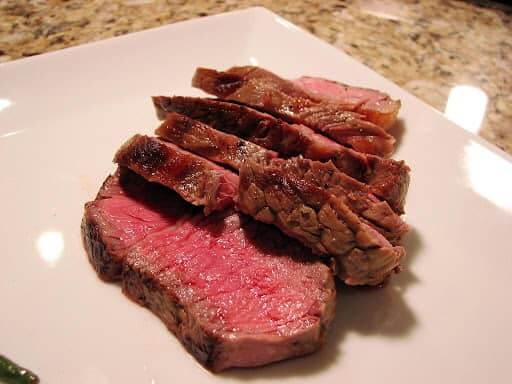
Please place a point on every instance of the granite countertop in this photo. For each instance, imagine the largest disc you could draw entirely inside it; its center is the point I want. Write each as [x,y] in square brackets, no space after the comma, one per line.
[428,47]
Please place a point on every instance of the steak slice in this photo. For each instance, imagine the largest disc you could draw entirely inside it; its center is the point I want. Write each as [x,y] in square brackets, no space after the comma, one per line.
[210,143]
[376,106]
[197,180]
[264,90]
[323,221]
[235,292]
[387,178]
[357,196]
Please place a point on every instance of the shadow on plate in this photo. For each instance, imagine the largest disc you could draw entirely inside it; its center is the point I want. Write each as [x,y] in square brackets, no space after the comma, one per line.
[367,311]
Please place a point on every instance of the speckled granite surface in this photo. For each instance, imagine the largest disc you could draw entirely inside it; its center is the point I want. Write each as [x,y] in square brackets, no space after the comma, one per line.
[426,46]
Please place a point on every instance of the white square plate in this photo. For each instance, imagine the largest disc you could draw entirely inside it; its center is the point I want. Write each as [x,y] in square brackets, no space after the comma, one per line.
[446,318]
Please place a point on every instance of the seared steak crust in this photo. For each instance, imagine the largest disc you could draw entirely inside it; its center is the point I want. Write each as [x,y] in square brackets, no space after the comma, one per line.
[106,264]
[356,195]
[387,178]
[210,143]
[390,181]
[197,180]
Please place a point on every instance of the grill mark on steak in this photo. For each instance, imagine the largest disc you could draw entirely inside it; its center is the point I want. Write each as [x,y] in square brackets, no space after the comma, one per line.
[235,292]
[319,218]
[213,144]
[197,180]
[266,91]
[387,178]
[147,154]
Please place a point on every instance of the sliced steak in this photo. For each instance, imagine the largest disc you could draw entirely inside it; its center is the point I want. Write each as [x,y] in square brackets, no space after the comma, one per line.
[210,143]
[321,220]
[376,106]
[225,148]
[356,195]
[196,179]
[235,292]
[264,90]
[387,178]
